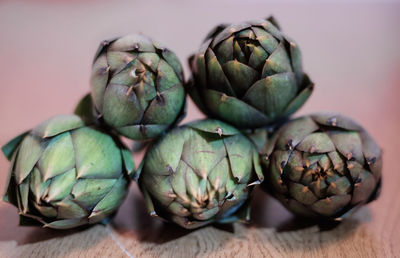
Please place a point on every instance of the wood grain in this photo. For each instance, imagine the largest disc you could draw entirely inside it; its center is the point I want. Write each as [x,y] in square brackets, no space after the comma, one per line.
[350,51]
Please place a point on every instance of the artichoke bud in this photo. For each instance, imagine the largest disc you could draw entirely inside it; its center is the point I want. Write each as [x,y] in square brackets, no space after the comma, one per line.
[65,174]
[214,169]
[333,166]
[137,86]
[249,74]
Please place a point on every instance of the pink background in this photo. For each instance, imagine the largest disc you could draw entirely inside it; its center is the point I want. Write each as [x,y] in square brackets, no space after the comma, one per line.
[351,51]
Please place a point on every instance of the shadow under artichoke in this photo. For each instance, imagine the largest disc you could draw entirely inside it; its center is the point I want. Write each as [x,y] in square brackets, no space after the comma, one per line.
[267,212]
[133,221]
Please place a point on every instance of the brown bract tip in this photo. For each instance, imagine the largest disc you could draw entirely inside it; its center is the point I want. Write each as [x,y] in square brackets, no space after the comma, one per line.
[332,121]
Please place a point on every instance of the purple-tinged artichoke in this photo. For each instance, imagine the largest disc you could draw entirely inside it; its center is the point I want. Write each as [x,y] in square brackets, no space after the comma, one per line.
[248,74]
[323,166]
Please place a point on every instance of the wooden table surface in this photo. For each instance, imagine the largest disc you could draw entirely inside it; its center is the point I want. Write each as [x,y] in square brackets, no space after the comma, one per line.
[351,51]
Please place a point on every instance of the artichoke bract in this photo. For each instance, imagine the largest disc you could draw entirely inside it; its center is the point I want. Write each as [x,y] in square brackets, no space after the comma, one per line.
[248,74]
[137,86]
[200,173]
[323,166]
[64,174]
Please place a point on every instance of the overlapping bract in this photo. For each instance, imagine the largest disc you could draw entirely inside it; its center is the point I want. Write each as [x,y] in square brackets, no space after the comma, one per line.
[199,174]
[64,174]
[137,86]
[248,74]
[323,165]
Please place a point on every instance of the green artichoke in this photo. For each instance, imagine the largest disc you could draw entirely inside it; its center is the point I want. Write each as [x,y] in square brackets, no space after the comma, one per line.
[64,174]
[137,86]
[323,166]
[248,74]
[200,173]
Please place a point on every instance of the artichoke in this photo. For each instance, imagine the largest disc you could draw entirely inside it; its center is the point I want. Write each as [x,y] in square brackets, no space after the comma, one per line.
[64,174]
[323,166]
[248,74]
[137,86]
[200,173]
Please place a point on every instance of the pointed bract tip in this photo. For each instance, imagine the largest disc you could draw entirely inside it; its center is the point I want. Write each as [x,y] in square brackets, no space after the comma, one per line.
[254,183]
[332,121]
[219,131]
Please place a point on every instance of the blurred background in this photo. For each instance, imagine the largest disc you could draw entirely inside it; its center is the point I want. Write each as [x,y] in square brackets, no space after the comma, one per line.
[350,50]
